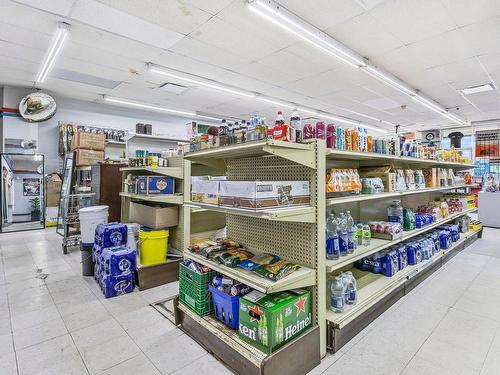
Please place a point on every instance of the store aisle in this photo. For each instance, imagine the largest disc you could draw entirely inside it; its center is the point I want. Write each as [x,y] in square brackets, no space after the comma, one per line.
[61,324]
[448,325]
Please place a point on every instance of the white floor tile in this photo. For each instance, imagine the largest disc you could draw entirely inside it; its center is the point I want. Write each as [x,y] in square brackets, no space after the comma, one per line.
[39,333]
[139,364]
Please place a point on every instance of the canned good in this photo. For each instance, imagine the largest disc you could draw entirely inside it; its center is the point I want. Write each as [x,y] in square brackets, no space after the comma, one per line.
[222,281]
[239,290]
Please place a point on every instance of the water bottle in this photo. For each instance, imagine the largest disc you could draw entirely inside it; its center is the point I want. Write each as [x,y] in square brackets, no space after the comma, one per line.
[359,228]
[395,212]
[367,234]
[351,230]
[343,235]
[337,295]
[351,292]
[332,238]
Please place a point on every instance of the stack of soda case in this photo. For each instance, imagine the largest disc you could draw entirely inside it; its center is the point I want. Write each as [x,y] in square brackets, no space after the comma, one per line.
[114,262]
[389,261]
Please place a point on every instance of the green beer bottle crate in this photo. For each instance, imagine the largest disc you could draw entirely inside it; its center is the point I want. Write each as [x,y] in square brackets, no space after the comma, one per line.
[193,290]
[269,321]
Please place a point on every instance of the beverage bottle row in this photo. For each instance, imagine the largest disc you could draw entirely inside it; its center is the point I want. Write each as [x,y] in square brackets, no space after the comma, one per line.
[343,292]
[343,236]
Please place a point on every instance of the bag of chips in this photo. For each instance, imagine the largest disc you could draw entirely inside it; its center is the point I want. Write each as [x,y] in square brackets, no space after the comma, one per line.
[258,260]
[209,251]
[232,258]
[277,270]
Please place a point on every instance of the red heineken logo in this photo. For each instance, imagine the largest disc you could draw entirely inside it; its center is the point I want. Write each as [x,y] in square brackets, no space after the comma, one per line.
[255,311]
[300,305]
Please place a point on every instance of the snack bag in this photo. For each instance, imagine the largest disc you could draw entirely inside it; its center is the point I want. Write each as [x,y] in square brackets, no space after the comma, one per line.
[277,270]
[232,258]
[258,260]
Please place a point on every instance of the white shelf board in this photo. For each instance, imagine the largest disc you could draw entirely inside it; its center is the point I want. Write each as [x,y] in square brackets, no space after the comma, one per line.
[154,138]
[176,172]
[298,152]
[161,198]
[115,143]
[367,197]
[301,278]
[302,214]
[377,244]
[379,286]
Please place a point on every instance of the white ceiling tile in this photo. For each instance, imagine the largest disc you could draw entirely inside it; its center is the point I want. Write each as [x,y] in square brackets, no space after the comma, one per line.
[465,12]
[114,21]
[482,37]
[23,16]
[241,81]
[204,52]
[212,6]
[412,21]
[401,61]
[370,38]
[65,62]
[60,7]
[174,15]
[265,73]
[323,13]
[20,52]
[319,84]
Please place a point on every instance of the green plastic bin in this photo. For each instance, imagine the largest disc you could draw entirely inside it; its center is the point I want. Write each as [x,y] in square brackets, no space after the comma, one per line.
[193,290]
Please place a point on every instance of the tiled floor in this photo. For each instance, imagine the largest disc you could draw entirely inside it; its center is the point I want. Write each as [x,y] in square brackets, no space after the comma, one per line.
[61,324]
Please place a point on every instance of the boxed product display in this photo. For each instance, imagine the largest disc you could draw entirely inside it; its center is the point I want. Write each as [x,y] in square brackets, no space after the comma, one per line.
[88,141]
[268,321]
[112,234]
[87,157]
[257,195]
[386,230]
[206,191]
[153,215]
[155,185]
[387,174]
[342,181]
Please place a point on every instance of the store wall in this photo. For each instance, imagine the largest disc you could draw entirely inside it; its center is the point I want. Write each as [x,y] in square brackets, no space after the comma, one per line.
[21,202]
[1,119]
[81,113]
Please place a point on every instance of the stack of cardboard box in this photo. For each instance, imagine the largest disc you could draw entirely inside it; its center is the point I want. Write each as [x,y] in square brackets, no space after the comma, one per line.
[88,147]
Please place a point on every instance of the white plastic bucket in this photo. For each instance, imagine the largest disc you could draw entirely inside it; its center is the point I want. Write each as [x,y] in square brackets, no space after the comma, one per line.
[90,217]
[132,235]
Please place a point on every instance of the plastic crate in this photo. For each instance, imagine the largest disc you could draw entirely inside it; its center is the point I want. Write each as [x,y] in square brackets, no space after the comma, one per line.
[226,307]
[193,290]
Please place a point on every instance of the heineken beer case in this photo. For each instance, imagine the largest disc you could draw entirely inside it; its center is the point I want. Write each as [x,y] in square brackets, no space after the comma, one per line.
[268,321]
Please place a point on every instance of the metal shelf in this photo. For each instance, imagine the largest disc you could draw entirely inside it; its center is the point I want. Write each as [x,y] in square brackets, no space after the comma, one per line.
[297,152]
[373,287]
[375,158]
[377,244]
[301,214]
[301,278]
[176,172]
[161,198]
[149,137]
[368,197]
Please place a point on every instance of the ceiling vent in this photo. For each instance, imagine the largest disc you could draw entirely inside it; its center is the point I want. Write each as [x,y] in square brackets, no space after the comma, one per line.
[87,79]
[173,88]
[477,89]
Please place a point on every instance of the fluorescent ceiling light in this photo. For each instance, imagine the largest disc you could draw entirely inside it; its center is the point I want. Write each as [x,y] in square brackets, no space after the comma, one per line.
[209,117]
[54,49]
[309,111]
[477,89]
[275,102]
[199,81]
[280,16]
[148,106]
[288,21]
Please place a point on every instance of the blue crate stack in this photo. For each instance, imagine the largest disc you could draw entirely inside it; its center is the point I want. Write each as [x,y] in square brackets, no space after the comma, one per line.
[114,261]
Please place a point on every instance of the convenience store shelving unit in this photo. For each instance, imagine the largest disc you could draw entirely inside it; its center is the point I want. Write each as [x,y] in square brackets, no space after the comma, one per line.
[155,275]
[298,234]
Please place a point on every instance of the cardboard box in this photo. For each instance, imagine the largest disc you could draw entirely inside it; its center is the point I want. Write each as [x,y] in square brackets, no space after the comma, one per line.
[155,185]
[386,173]
[88,157]
[88,141]
[205,191]
[53,190]
[268,321]
[256,195]
[154,216]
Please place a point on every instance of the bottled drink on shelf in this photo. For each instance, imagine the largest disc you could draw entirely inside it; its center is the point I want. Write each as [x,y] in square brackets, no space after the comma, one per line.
[320,130]
[351,233]
[332,238]
[308,132]
[395,212]
[343,235]
[331,136]
[367,234]
[296,125]
[337,295]
[350,288]
[360,234]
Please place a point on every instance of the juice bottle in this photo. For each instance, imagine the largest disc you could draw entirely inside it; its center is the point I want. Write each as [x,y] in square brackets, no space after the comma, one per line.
[369,143]
[331,136]
[354,140]
[348,140]
[320,130]
[308,132]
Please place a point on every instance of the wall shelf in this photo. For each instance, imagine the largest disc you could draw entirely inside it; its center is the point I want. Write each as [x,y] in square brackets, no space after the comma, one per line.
[161,198]
[176,172]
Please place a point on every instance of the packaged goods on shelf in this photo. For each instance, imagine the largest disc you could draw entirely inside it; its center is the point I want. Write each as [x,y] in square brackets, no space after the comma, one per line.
[269,321]
[491,183]
[342,181]
[256,195]
[343,236]
[155,185]
[205,191]
[387,174]
[194,281]
[372,185]
[475,225]
[87,157]
[343,292]
[464,223]
[410,179]
[386,230]
[88,141]
[400,180]
[419,179]
[412,149]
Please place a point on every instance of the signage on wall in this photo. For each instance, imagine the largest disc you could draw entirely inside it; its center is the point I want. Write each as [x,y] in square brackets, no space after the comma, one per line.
[31,187]
[37,107]
[487,144]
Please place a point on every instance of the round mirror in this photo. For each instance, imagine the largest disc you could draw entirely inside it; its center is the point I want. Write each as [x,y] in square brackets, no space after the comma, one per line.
[37,107]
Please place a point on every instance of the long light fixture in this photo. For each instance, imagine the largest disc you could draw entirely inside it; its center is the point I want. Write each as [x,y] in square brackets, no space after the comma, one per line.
[148,106]
[54,49]
[280,16]
[183,76]
[197,81]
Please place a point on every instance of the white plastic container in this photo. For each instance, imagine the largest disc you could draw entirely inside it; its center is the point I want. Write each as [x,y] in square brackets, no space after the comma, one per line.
[90,217]
[132,235]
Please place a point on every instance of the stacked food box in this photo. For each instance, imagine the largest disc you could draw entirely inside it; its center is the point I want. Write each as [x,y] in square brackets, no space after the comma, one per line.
[88,147]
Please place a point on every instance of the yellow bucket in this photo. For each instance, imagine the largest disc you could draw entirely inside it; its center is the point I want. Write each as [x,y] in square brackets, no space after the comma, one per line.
[154,244]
